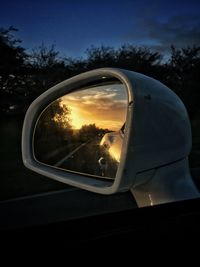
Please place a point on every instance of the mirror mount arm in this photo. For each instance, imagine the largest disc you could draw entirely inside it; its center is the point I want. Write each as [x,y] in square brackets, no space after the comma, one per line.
[165,184]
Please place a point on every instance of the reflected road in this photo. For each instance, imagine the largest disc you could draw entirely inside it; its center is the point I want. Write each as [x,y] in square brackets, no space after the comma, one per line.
[60,162]
[84,159]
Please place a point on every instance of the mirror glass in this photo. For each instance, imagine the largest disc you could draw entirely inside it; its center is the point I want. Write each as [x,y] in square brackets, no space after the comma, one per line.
[83,131]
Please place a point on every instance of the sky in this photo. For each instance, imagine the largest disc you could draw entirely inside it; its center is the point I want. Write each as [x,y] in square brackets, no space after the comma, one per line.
[105,106]
[74,25]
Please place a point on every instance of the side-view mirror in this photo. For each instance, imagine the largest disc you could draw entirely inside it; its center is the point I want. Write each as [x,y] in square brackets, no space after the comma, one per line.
[80,129]
[112,130]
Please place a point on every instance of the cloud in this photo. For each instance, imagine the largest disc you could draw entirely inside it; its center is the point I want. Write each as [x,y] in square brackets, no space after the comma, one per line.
[99,101]
[105,95]
[100,98]
[105,108]
[161,33]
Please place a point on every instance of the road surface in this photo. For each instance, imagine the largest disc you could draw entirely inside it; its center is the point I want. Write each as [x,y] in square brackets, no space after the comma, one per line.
[84,159]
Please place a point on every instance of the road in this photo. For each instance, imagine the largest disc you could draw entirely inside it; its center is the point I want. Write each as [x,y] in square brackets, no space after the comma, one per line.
[60,162]
[84,159]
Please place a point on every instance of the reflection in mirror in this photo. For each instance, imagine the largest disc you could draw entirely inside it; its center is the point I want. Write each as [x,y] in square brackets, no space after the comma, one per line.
[83,130]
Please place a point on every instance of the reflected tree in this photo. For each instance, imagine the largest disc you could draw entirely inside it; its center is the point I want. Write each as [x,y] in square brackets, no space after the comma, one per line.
[91,131]
[53,131]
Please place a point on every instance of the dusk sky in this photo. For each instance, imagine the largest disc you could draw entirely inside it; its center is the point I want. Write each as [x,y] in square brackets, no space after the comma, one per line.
[75,25]
[105,106]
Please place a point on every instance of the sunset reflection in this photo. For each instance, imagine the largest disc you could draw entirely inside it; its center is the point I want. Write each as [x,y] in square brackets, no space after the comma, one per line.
[80,132]
[105,106]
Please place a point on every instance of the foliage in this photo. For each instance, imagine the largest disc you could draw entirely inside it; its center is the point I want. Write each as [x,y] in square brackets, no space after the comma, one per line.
[44,57]
[183,76]
[53,130]
[55,120]
[11,71]
[11,53]
[91,131]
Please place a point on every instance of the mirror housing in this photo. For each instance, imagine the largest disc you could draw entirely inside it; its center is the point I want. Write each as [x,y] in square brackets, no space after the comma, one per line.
[157,131]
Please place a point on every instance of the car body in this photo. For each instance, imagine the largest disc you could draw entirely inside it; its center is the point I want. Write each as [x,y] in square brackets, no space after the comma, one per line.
[112,142]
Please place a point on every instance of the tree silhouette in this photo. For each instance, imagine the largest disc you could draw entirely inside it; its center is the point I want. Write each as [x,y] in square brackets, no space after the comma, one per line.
[183,76]
[55,119]
[44,57]
[46,68]
[89,132]
[53,130]
[137,58]
[11,68]
[11,53]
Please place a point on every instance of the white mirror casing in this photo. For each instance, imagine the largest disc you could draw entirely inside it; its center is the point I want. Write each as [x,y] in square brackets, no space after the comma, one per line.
[156,145]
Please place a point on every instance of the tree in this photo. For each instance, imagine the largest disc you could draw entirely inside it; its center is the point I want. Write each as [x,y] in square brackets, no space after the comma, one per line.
[91,131]
[12,66]
[44,57]
[183,76]
[127,56]
[11,53]
[98,57]
[47,67]
[53,130]
[137,58]
[55,120]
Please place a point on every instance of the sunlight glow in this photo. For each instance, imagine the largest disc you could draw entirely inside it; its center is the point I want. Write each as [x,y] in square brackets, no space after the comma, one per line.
[76,119]
[103,106]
